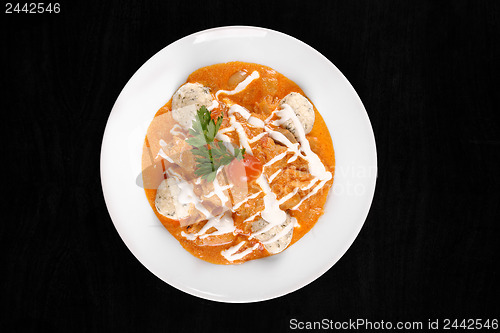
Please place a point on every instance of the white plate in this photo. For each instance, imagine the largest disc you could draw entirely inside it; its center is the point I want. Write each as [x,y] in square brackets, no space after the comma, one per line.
[348,202]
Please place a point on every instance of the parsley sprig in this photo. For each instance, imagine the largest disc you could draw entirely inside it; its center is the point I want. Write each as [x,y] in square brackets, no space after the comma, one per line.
[210,155]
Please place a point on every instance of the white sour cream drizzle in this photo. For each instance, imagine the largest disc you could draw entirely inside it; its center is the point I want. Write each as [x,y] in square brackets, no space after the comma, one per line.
[253,196]
[174,130]
[187,195]
[242,136]
[313,181]
[256,122]
[219,190]
[271,212]
[231,255]
[271,178]
[215,104]
[225,130]
[223,223]
[225,139]
[316,167]
[288,196]
[161,153]
[257,137]
[252,217]
[241,86]
[236,126]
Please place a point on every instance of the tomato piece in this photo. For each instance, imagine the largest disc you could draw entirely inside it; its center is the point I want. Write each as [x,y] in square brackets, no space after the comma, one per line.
[245,170]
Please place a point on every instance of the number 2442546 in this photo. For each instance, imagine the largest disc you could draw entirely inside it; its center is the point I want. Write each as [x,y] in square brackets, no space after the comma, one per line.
[32,8]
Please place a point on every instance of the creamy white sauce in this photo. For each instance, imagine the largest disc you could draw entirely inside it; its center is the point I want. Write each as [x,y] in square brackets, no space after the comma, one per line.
[215,104]
[315,179]
[271,178]
[314,191]
[255,122]
[232,255]
[271,212]
[238,127]
[235,108]
[219,190]
[292,147]
[316,167]
[174,131]
[278,136]
[162,154]
[187,194]
[252,217]
[257,137]
[225,130]
[288,196]
[241,86]
[174,174]
[223,223]
[242,136]
[253,196]
[275,159]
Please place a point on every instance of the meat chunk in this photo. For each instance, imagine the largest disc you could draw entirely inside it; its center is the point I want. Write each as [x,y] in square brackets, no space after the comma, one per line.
[178,151]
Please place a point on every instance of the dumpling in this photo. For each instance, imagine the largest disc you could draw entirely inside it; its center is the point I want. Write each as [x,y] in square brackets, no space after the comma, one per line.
[187,99]
[302,108]
[167,202]
[276,245]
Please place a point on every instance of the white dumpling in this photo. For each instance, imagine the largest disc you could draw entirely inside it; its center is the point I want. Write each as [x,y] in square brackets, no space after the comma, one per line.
[302,108]
[278,245]
[187,99]
[167,202]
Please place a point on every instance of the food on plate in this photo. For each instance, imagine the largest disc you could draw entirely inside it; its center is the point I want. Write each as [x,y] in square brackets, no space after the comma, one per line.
[238,164]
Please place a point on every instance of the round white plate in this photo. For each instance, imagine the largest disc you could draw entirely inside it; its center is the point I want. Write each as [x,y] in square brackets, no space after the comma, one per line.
[348,202]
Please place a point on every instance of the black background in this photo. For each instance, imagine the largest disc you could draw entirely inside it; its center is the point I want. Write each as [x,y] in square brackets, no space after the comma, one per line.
[427,73]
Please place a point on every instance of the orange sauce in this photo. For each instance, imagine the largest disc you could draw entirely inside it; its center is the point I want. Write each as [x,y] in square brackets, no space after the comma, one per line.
[262,97]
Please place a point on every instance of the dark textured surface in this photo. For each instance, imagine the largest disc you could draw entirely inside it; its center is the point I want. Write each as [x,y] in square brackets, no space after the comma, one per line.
[426,73]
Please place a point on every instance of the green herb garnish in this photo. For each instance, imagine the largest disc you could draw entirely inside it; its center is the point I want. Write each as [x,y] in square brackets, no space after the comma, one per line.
[210,155]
